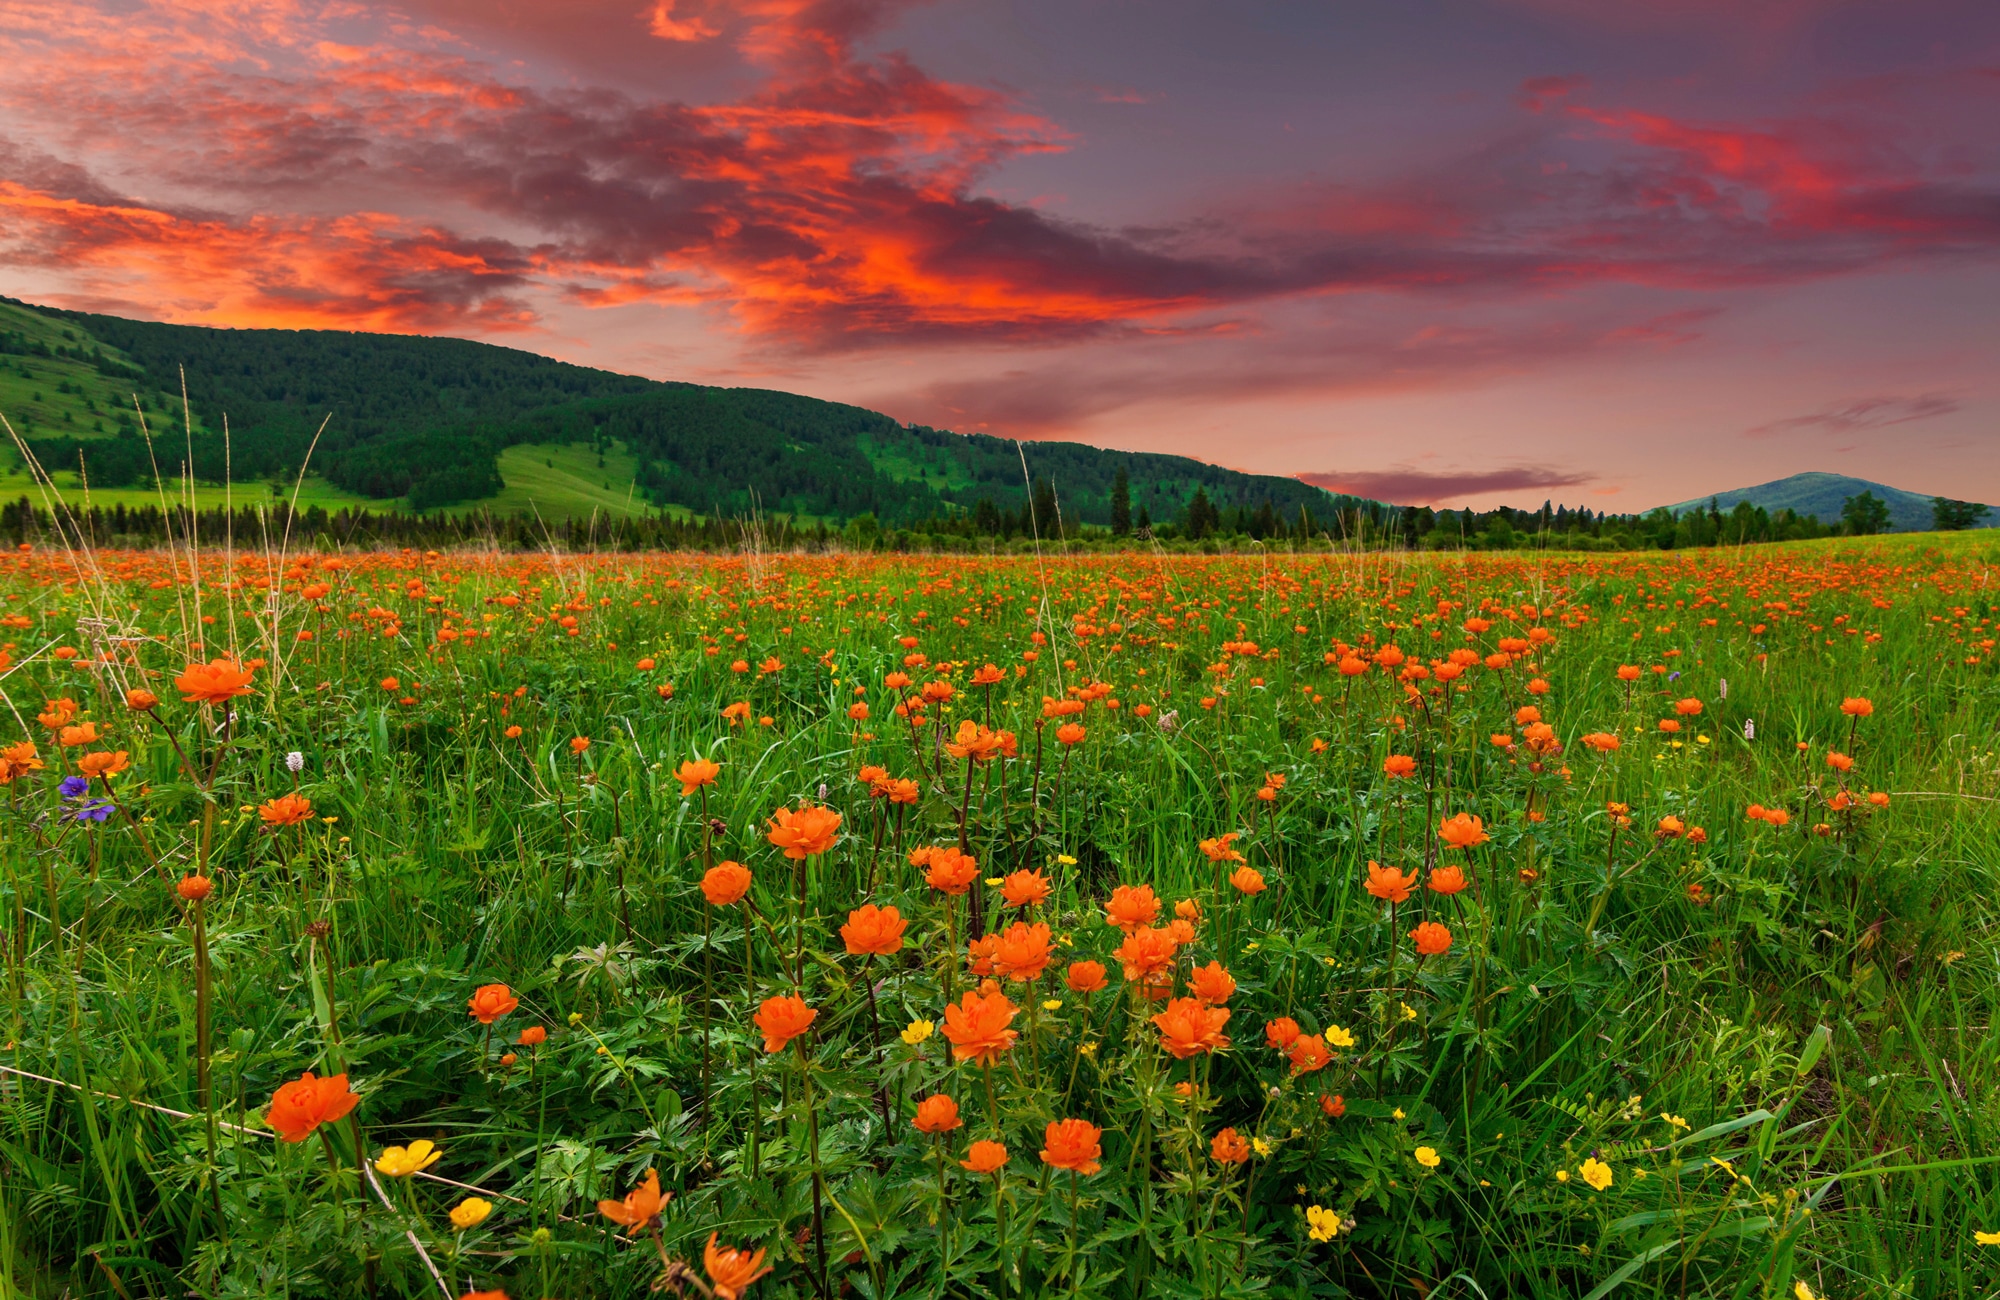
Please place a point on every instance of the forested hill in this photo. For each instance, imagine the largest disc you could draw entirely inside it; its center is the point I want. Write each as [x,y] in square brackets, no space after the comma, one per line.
[424,420]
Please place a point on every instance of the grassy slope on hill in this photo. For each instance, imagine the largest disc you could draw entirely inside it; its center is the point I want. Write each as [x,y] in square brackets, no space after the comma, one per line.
[1822,495]
[426,420]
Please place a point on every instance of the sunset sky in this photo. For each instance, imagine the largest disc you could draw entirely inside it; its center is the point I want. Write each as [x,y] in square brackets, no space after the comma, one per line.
[1614,252]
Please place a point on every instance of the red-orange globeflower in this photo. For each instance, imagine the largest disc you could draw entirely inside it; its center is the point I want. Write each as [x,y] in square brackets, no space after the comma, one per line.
[1839,762]
[1219,850]
[975,742]
[215,682]
[194,888]
[1687,708]
[1463,831]
[640,1207]
[286,810]
[1023,952]
[696,773]
[1334,1105]
[489,1002]
[805,831]
[872,930]
[1281,1032]
[782,1018]
[1229,1147]
[1070,733]
[1399,765]
[532,1036]
[949,870]
[730,1271]
[725,883]
[577,744]
[1025,889]
[1072,1144]
[1855,706]
[1308,1052]
[1132,906]
[103,763]
[1390,884]
[1602,741]
[302,1105]
[1085,976]
[1211,983]
[141,701]
[84,733]
[1431,938]
[1147,956]
[1247,880]
[985,1156]
[937,1114]
[1189,1027]
[1447,880]
[976,1025]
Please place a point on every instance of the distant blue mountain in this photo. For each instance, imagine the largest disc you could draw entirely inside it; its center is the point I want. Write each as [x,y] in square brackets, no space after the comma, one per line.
[1823,494]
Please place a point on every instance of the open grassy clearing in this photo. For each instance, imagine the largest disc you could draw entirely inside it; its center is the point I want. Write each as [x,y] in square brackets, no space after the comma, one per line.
[1355,925]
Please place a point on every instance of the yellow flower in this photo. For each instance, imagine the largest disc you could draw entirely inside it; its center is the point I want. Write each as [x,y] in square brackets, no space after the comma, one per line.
[401,1162]
[1674,1120]
[1397,1113]
[994,882]
[470,1213]
[1052,1004]
[1338,1037]
[1802,1291]
[1596,1173]
[576,1017]
[1409,1012]
[1987,1238]
[918,1031]
[1322,1224]
[1264,1147]
[1562,1175]
[1065,859]
[1428,1157]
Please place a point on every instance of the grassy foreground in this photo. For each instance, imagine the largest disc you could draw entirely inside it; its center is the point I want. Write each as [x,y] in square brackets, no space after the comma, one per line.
[1352,925]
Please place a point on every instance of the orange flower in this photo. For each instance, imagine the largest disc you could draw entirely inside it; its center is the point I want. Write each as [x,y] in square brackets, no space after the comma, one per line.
[57,714]
[1431,938]
[1628,672]
[783,1018]
[975,742]
[640,1207]
[1334,1105]
[1670,725]
[102,763]
[512,733]
[1085,976]
[725,883]
[1687,708]
[1399,765]
[694,774]
[1308,1052]
[1211,983]
[286,810]
[951,871]
[216,682]
[1230,1147]
[1839,762]
[984,1156]
[194,888]
[938,1114]
[1282,1032]
[1025,888]
[903,790]
[532,1036]
[141,701]
[1132,906]
[1447,880]
[1856,707]
[305,1103]
[1023,952]
[1190,1028]
[81,734]
[1602,741]
[1248,880]
[873,930]
[1072,1144]
[1218,849]
[805,831]
[1070,733]
[977,1025]
[989,675]
[1147,956]
[577,744]
[1390,884]
[1463,831]
[730,1271]
[489,1002]
[1879,798]
[1671,828]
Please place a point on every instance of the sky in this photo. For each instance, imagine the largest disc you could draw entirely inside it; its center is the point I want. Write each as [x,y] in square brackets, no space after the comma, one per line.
[1618,253]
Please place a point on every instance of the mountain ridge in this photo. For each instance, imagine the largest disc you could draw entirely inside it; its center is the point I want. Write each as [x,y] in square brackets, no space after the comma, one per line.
[1818,493]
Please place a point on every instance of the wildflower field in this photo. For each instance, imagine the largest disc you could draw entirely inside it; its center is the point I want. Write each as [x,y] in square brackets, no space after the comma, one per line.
[418,924]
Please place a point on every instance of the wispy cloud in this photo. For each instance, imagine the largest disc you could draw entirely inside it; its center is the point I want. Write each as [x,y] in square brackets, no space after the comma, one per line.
[1860,413]
[1408,485]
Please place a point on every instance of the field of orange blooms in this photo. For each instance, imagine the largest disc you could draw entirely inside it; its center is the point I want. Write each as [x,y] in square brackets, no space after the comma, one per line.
[418,924]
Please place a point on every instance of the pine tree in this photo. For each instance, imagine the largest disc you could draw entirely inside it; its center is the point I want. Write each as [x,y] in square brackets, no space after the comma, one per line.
[1121,504]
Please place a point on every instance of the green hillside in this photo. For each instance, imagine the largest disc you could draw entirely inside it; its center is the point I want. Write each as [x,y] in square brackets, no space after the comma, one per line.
[1822,495]
[430,423]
